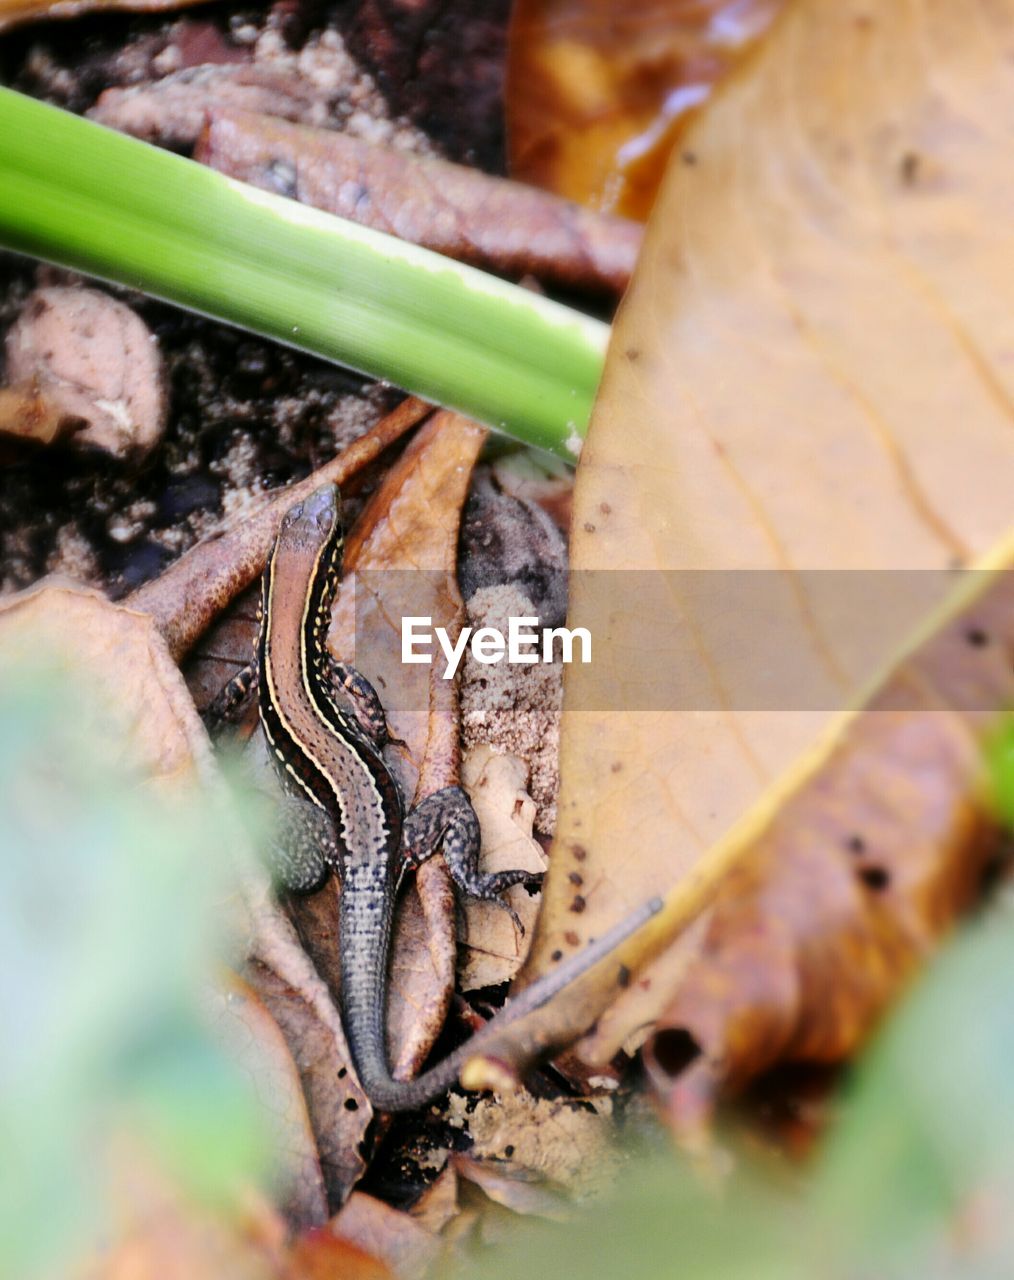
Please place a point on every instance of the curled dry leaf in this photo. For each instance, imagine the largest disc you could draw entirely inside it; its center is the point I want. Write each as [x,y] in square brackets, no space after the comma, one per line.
[400,559]
[299,997]
[854,882]
[598,94]
[496,786]
[488,222]
[814,242]
[97,365]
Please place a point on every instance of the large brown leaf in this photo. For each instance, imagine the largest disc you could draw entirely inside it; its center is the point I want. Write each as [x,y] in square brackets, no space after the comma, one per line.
[810,372]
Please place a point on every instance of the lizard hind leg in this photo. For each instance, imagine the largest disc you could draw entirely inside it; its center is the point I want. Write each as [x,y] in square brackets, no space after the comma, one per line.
[303,850]
[446,821]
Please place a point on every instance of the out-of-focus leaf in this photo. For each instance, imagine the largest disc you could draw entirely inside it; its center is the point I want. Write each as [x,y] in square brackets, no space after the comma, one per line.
[400,1242]
[320,1255]
[109,898]
[814,349]
[13,12]
[918,1175]
[256,1041]
[598,94]
[916,1178]
[150,719]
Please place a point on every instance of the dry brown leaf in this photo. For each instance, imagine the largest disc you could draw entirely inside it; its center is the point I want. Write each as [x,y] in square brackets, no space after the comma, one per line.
[171,111]
[598,93]
[854,882]
[400,1242]
[815,342]
[337,1106]
[151,725]
[97,363]
[496,786]
[487,222]
[410,524]
[256,1042]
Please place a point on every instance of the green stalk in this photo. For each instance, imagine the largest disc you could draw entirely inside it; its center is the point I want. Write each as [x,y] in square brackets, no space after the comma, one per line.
[85,197]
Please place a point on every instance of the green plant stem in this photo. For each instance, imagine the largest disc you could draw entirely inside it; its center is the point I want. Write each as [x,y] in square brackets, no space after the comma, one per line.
[85,197]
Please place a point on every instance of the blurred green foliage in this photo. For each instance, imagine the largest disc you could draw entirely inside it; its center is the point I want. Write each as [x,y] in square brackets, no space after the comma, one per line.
[1000,772]
[107,941]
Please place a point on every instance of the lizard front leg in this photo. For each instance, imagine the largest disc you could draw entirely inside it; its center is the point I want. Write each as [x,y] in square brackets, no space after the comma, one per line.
[446,821]
[234,696]
[363,702]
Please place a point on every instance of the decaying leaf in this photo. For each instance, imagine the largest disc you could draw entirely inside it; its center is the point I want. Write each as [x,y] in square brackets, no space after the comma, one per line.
[299,997]
[96,363]
[815,342]
[496,786]
[598,94]
[485,221]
